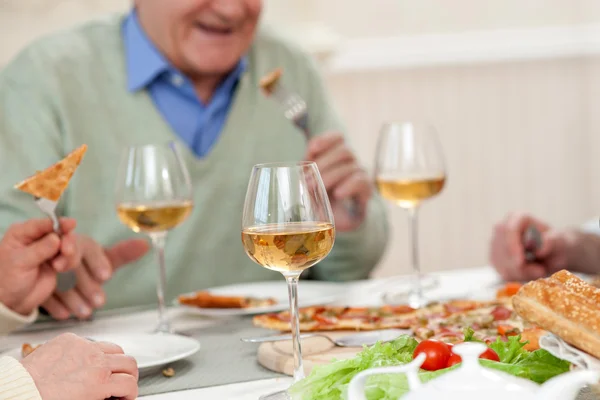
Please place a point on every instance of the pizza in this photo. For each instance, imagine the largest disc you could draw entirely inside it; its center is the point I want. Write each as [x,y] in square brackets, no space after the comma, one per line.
[205,299]
[52,182]
[444,321]
[269,81]
[333,318]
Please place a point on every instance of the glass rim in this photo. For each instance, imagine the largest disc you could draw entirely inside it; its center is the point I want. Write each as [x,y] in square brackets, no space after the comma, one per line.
[168,143]
[284,164]
[417,123]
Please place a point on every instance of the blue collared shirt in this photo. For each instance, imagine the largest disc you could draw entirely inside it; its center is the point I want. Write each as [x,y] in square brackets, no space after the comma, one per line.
[198,124]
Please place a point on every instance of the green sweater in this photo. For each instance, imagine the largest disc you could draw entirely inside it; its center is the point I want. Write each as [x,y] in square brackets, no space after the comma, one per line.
[70,88]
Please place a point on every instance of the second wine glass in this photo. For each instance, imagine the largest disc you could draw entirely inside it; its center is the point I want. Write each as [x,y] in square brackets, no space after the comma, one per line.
[154,195]
[287,226]
[409,169]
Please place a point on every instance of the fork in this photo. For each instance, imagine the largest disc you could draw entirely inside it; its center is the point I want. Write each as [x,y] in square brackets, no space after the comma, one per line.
[532,241]
[66,280]
[295,109]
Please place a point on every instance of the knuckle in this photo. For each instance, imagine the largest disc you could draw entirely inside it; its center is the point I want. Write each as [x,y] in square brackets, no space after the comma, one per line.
[132,385]
[70,337]
[118,348]
[101,374]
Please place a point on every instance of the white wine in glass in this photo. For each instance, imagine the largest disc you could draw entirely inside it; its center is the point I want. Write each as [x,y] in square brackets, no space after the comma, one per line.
[154,195]
[409,169]
[287,226]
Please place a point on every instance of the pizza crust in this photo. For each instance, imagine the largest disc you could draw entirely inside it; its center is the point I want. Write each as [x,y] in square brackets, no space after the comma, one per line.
[269,81]
[52,182]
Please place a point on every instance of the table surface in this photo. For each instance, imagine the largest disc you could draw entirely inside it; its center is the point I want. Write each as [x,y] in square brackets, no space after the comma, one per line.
[457,283]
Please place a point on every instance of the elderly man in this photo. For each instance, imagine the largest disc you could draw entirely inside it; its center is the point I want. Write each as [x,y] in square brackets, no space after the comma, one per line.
[185,70]
[68,367]
[575,249]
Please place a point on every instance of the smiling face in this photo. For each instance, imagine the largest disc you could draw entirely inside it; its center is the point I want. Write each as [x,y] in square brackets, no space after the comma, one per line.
[201,37]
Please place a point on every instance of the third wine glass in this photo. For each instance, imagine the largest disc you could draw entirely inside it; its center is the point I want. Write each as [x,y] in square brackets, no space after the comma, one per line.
[410,169]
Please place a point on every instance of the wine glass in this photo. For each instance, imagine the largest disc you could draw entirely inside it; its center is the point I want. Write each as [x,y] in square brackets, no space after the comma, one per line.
[154,195]
[409,169]
[287,226]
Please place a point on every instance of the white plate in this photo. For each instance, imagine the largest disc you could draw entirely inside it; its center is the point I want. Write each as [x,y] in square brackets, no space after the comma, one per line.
[310,293]
[149,350]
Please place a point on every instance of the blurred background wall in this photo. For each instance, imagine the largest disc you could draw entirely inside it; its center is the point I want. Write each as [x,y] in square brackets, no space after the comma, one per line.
[512,86]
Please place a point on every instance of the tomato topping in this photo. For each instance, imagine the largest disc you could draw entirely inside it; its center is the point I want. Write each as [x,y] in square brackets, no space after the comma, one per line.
[509,289]
[507,330]
[451,309]
[501,313]
[401,309]
[436,354]
[325,320]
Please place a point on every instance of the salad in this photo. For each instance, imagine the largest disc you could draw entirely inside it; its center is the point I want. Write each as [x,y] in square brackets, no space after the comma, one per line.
[329,382]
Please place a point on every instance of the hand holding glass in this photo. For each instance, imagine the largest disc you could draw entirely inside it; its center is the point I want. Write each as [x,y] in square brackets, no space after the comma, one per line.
[410,169]
[287,226]
[154,195]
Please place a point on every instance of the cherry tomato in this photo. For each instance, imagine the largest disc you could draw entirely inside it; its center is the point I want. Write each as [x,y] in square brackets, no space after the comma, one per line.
[490,354]
[436,354]
[453,360]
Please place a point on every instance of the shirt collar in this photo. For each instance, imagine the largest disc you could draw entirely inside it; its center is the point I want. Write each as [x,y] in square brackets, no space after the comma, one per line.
[145,62]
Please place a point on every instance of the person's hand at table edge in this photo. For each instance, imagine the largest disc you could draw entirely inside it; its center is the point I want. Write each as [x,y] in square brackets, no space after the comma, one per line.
[72,368]
[97,266]
[560,249]
[30,256]
[343,177]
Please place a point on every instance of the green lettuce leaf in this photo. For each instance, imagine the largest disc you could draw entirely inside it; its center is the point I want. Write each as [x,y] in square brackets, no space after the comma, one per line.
[330,382]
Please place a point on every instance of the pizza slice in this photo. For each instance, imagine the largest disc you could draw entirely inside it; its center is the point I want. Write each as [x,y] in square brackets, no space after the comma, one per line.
[52,182]
[204,299]
[269,81]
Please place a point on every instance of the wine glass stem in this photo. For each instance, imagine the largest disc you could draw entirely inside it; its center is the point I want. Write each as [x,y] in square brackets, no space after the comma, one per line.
[158,241]
[292,281]
[417,291]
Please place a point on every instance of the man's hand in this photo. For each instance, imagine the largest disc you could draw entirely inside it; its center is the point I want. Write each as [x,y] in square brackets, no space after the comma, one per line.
[507,253]
[72,368]
[98,266]
[343,177]
[30,255]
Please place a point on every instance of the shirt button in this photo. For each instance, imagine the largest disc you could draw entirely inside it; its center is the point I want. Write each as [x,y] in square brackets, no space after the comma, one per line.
[177,80]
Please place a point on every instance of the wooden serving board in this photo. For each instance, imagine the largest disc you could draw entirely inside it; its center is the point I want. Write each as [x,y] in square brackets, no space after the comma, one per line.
[279,356]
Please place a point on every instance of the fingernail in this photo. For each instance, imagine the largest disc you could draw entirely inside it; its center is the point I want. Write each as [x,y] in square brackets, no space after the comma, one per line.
[105,274]
[59,264]
[61,315]
[84,311]
[98,300]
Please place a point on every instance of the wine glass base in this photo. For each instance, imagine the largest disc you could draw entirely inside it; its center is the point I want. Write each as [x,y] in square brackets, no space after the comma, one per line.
[281,395]
[164,327]
[415,300]
[409,290]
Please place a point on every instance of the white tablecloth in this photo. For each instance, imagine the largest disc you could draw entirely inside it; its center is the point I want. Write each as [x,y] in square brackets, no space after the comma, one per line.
[477,282]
